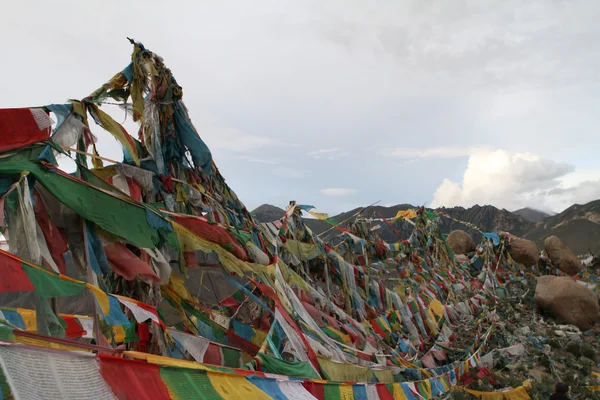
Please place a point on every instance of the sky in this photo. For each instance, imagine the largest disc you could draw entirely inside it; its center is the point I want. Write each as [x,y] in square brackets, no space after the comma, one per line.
[343,103]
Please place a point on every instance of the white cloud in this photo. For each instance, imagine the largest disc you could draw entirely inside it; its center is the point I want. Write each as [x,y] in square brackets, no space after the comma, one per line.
[521,76]
[515,180]
[338,192]
[322,151]
[256,160]
[292,173]
[431,152]
[218,135]
[330,154]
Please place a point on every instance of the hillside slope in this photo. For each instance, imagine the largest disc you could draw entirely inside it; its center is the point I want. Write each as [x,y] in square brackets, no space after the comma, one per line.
[531,215]
[578,227]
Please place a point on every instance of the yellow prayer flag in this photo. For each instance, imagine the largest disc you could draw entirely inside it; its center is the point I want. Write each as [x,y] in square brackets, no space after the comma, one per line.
[437,307]
[177,283]
[29,319]
[408,214]
[346,392]
[43,343]
[101,298]
[399,393]
[231,386]
[319,215]
[119,334]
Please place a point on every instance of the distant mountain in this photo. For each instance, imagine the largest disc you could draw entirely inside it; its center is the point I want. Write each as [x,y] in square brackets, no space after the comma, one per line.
[268,213]
[487,218]
[578,226]
[531,215]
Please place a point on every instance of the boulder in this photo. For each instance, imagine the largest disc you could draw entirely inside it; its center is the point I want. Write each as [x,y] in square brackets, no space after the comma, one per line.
[561,256]
[567,302]
[524,252]
[460,242]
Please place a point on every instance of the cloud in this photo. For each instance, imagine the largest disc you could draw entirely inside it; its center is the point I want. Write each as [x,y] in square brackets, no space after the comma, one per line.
[218,135]
[330,154]
[256,160]
[292,173]
[322,151]
[431,152]
[521,76]
[338,192]
[515,180]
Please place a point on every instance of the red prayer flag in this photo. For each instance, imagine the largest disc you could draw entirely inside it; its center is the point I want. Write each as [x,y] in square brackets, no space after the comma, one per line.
[135,190]
[21,127]
[14,279]
[190,259]
[132,379]
[383,392]
[213,355]
[213,233]
[230,302]
[316,389]
[241,343]
[55,238]
[126,264]
[74,330]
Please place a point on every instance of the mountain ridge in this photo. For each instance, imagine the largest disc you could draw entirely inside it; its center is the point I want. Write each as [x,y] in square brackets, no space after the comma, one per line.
[532,214]
[578,226]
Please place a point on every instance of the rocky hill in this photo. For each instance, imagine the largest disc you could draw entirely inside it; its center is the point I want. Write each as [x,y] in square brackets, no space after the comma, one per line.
[487,218]
[267,213]
[578,226]
[531,215]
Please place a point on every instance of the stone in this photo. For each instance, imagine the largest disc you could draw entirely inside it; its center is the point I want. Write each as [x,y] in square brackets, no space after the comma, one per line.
[524,252]
[567,302]
[460,242]
[561,256]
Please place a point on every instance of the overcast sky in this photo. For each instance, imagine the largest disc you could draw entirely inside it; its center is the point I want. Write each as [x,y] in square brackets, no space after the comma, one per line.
[343,103]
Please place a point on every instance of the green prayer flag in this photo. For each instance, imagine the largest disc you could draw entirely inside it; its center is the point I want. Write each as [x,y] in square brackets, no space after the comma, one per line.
[46,321]
[299,369]
[332,334]
[4,388]
[189,384]
[112,214]
[431,215]
[231,357]
[390,387]
[131,335]
[331,391]
[49,285]
[241,236]
[6,334]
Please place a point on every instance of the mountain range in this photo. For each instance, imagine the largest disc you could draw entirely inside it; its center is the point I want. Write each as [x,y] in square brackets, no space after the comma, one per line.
[578,226]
